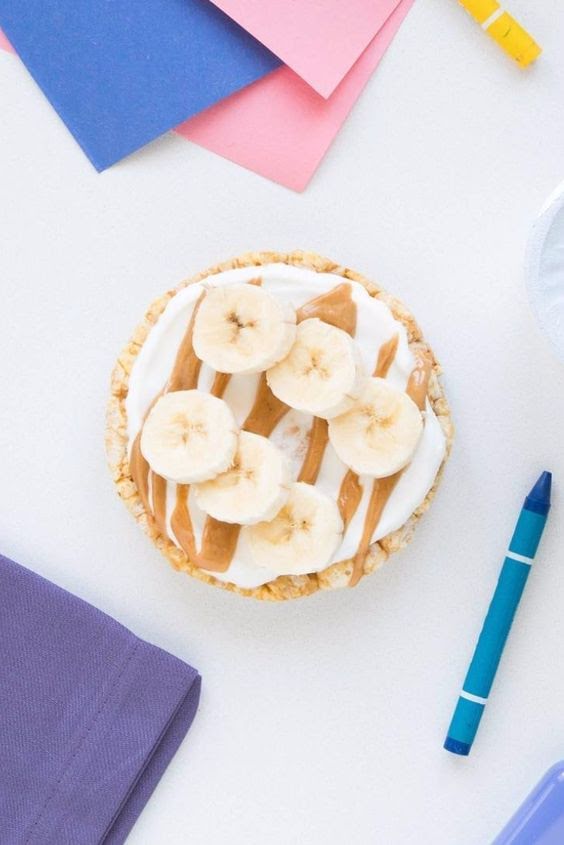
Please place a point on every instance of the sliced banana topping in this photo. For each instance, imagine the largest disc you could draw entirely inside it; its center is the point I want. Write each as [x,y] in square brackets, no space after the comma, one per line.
[189,436]
[303,535]
[242,329]
[253,488]
[379,435]
[321,374]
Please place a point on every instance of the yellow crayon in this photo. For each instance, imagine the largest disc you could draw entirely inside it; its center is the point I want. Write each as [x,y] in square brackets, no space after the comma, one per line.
[504,30]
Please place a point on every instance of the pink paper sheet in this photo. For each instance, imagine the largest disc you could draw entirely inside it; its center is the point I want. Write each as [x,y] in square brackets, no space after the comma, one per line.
[5,44]
[319,39]
[279,127]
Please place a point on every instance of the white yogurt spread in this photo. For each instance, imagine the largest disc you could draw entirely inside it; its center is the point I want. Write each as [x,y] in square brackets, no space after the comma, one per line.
[375,325]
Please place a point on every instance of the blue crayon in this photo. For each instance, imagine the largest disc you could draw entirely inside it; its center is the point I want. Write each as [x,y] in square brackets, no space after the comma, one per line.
[510,586]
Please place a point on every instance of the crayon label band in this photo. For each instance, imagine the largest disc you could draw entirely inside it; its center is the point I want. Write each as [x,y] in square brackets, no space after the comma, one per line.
[469,696]
[519,558]
[492,19]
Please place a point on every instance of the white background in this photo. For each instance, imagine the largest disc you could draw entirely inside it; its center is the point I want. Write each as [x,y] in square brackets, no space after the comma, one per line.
[321,720]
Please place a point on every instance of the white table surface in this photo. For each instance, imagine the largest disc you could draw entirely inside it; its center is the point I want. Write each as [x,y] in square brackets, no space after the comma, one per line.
[321,720]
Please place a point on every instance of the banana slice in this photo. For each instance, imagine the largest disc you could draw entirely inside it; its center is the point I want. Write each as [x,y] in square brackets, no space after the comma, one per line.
[379,435]
[321,374]
[242,329]
[253,488]
[303,535]
[189,436]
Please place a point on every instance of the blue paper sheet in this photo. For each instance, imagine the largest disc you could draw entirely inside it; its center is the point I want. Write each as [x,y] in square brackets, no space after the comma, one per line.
[122,72]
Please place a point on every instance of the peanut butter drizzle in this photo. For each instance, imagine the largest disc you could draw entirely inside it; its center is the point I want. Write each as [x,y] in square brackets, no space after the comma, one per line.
[418,382]
[336,307]
[218,547]
[184,375]
[383,488]
[386,355]
[181,523]
[219,541]
[267,411]
[159,501]
[220,382]
[140,469]
[318,438]
[350,492]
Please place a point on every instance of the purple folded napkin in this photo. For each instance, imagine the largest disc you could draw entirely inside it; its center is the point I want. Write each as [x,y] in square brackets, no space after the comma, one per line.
[90,716]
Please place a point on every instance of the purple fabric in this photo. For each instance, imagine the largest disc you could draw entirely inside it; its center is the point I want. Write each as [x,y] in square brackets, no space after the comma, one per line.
[90,716]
